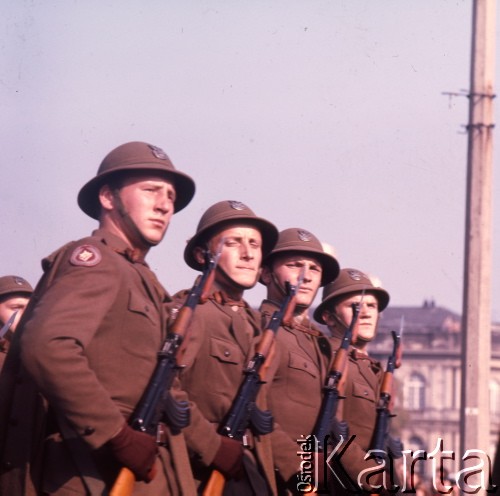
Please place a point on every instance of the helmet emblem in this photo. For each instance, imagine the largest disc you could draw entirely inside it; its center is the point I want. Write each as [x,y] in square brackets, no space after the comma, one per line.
[355,275]
[19,281]
[158,152]
[304,235]
[236,205]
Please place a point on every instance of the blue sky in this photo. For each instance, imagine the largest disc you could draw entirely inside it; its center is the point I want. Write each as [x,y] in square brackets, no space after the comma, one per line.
[325,115]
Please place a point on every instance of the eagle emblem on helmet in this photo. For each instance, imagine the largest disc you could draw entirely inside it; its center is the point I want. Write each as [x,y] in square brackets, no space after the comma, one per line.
[158,152]
[19,281]
[237,205]
[304,235]
[355,275]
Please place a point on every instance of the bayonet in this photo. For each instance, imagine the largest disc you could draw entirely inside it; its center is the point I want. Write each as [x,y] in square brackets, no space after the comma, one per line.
[8,324]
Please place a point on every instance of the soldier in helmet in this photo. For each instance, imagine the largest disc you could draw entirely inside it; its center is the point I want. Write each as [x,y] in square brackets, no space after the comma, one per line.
[364,374]
[222,338]
[87,346]
[15,293]
[302,350]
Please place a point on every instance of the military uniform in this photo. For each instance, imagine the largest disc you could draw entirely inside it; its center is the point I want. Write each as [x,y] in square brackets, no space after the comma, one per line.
[93,362]
[222,338]
[85,350]
[363,379]
[303,353]
[296,390]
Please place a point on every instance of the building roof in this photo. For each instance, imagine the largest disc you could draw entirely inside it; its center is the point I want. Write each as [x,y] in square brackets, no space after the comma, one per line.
[427,317]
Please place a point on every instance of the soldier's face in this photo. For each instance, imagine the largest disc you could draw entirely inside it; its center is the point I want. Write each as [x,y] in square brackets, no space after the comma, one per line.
[239,263]
[288,268]
[149,202]
[10,305]
[366,326]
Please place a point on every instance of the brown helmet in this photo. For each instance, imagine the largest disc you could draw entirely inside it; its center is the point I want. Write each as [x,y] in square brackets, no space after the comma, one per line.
[14,285]
[296,240]
[132,157]
[350,281]
[222,215]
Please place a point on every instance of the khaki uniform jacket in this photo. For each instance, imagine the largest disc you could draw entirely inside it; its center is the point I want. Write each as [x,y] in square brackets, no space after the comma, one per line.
[363,381]
[221,339]
[4,348]
[86,347]
[296,390]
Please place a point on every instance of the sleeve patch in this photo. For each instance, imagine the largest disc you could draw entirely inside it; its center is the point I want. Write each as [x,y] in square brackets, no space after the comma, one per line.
[86,256]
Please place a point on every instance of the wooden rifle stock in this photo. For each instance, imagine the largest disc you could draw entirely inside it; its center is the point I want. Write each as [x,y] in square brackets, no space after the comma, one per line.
[243,412]
[381,438]
[333,389]
[148,411]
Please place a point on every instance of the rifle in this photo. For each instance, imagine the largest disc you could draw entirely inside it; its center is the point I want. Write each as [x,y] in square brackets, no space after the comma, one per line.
[244,413]
[381,437]
[327,423]
[156,403]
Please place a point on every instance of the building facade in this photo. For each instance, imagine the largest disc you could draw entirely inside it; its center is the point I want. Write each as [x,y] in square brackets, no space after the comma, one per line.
[429,380]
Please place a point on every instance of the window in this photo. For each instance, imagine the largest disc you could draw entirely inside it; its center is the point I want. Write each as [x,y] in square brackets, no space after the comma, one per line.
[415,392]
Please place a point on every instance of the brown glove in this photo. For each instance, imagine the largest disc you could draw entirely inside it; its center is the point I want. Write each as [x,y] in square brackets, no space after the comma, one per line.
[229,458]
[136,451]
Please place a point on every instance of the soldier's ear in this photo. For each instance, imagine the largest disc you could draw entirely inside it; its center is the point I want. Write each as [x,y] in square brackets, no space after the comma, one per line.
[199,255]
[106,198]
[328,318]
[266,275]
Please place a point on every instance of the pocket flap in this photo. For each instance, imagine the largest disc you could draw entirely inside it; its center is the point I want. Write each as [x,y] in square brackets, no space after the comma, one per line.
[300,362]
[361,390]
[225,351]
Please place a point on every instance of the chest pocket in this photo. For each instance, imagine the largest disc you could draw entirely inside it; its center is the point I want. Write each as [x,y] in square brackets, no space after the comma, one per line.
[225,351]
[302,363]
[302,380]
[361,390]
[138,304]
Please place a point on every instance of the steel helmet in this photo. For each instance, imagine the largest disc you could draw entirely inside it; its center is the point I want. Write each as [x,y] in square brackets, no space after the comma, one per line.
[350,281]
[14,285]
[296,240]
[132,157]
[222,215]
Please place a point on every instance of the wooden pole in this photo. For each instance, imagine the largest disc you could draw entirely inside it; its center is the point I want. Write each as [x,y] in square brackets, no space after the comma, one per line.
[476,323]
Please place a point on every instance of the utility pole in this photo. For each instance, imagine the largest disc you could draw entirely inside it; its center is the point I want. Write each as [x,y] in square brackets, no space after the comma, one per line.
[476,320]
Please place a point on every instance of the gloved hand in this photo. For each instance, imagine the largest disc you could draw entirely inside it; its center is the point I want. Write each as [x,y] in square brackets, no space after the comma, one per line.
[136,451]
[229,458]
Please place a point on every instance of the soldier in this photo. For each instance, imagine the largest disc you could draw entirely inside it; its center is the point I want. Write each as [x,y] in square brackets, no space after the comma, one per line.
[87,345]
[303,351]
[222,338]
[363,375]
[15,293]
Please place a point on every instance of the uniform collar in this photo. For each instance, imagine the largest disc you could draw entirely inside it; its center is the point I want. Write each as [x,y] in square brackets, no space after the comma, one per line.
[119,246]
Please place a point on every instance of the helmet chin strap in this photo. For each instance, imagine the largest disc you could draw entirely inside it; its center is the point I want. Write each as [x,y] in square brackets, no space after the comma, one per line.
[281,289]
[231,281]
[130,227]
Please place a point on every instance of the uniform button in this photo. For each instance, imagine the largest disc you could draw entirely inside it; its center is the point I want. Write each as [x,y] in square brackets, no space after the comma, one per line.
[227,353]
[366,393]
[88,431]
[305,365]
